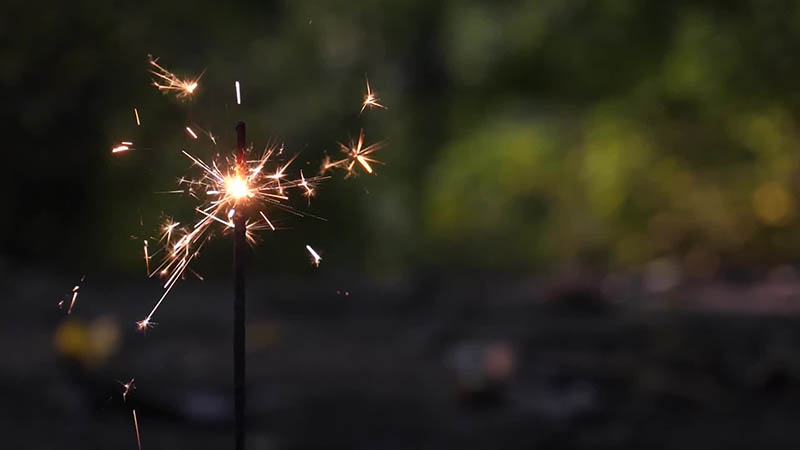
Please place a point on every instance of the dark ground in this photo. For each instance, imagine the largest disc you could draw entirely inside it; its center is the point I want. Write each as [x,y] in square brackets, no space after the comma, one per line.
[429,365]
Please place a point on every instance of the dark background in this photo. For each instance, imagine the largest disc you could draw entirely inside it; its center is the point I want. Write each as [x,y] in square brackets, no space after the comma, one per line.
[584,234]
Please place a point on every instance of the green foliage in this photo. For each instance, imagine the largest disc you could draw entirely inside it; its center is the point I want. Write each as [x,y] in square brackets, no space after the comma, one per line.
[521,134]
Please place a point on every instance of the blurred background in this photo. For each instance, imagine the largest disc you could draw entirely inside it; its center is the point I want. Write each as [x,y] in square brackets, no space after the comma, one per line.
[585,233]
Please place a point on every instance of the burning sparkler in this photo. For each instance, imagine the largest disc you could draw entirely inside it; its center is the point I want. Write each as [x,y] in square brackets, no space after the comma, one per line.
[167,81]
[230,191]
[225,187]
[371,99]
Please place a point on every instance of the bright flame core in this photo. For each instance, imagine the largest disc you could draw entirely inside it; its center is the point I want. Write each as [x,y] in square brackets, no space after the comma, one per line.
[237,187]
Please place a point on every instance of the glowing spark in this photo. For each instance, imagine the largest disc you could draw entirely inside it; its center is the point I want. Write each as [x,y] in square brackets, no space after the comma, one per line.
[364,163]
[371,99]
[127,388]
[309,191]
[75,290]
[199,277]
[136,427]
[167,81]
[136,113]
[123,146]
[314,255]
[167,228]
[74,297]
[210,136]
[267,220]
[238,94]
[143,325]
[191,133]
[146,258]
[355,152]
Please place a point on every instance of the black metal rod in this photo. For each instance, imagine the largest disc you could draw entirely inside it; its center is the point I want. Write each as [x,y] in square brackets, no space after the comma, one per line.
[239,249]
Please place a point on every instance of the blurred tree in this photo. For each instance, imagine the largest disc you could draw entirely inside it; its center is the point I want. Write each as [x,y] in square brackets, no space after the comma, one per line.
[522,134]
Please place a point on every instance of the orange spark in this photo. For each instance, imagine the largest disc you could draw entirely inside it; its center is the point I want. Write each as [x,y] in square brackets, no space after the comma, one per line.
[72,302]
[146,258]
[371,99]
[167,81]
[267,220]
[127,389]
[355,152]
[123,146]
[309,191]
[314,255]
[191,132]
[136,113]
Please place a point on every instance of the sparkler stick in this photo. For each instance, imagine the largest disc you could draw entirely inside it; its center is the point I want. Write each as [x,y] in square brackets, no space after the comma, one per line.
[239,247]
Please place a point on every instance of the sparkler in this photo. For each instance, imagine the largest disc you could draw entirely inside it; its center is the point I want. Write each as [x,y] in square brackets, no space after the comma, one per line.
[230,190]
[229,187]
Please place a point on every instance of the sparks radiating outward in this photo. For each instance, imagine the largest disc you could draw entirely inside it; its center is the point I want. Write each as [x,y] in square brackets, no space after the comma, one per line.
[224,187]
[167,81]
[355,153]
[371,99]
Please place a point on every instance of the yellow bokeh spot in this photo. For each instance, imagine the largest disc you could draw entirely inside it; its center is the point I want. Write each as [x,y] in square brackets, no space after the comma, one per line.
[72,340]
[91,344]
[773,203]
